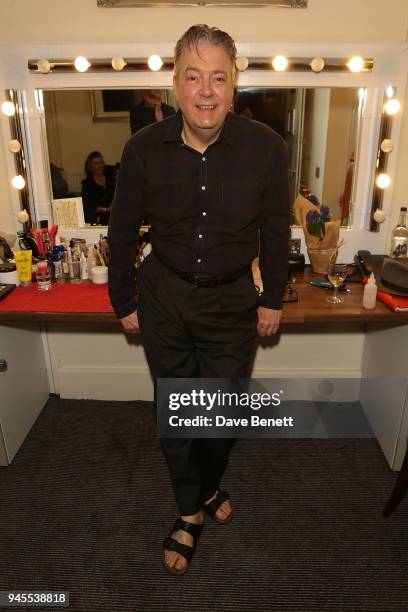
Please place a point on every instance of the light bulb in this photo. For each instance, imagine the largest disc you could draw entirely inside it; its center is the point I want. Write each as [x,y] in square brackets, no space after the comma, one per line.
[81,64]
[155,62]
[356,64]
[14,146]
[118,63]
[389,92]
[23,216]
[8,109]
[317,64]
[379,216]
[280,63]
[43,66]
[383,181]
[392,106]
[18,182]
[241,63]
[386,145]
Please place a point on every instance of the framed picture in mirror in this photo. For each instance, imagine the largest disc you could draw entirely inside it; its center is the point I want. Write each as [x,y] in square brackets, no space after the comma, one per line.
[68,213]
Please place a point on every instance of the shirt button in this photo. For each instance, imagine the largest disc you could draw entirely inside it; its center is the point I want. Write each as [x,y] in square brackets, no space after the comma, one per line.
[198,260]
[203,158]
[203,187]
[200,235]
[204,213]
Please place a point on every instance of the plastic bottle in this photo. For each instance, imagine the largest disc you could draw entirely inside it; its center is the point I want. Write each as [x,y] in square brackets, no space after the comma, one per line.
[84,267]
[91,260]
[43,276]
[58,273]
[370,293]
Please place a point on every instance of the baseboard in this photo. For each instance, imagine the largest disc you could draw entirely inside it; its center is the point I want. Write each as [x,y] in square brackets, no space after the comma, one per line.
[136,383]
[125,384]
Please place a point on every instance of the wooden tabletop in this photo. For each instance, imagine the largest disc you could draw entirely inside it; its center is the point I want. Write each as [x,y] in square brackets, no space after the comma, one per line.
[311,307]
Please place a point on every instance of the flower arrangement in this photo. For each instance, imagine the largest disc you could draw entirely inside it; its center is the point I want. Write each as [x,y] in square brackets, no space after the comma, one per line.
[321,233]
[316,219]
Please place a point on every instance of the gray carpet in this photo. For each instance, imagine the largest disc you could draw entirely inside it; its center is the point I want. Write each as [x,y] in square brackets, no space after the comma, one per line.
[87,500]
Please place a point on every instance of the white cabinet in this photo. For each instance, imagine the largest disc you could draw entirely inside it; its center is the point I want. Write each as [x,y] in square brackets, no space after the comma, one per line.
[24,385]
[384,386]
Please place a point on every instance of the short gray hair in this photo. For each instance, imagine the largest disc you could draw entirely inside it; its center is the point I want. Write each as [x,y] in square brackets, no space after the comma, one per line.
[202,33]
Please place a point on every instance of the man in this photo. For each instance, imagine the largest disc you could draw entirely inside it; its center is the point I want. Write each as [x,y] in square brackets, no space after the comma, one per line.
[150,110]
[215,188]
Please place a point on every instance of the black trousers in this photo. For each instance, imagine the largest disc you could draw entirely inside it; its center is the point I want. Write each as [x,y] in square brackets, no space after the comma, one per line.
[195,332]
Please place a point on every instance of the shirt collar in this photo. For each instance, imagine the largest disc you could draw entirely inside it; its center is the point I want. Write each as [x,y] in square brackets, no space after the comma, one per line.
[175,125]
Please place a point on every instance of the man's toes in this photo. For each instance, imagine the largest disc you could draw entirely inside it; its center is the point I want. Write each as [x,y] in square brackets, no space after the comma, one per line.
[224,510]
[180,563]
[173,559]
[170,557]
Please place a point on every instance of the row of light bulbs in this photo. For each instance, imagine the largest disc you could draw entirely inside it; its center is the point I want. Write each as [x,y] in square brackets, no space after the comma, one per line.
[383,180]
[279,63]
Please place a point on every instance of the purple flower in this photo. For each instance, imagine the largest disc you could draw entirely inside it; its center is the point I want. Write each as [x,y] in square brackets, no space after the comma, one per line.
[325,213]
[313,216]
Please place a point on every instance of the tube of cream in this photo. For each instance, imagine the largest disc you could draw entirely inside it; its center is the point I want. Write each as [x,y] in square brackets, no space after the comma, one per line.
[24,259]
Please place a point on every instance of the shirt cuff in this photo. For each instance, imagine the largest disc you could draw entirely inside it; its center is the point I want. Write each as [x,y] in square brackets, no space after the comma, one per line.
[125,311]
[267,302]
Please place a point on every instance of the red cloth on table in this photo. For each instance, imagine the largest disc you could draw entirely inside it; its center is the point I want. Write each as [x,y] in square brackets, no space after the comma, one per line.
[86,297]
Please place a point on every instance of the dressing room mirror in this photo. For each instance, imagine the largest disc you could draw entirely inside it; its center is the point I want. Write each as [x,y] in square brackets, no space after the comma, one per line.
[321,127]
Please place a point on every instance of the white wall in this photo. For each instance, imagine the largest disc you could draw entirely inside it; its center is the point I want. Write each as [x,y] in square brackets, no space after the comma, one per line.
[7,218]
[71,21]
[7,223]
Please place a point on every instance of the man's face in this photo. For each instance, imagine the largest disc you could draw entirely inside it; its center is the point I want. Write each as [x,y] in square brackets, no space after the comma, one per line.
[204,88]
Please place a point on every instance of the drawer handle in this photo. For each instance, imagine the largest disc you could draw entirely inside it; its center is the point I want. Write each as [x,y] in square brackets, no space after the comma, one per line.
[3,365]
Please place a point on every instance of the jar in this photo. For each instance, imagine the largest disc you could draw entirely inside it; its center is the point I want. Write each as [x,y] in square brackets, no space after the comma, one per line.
[8,274]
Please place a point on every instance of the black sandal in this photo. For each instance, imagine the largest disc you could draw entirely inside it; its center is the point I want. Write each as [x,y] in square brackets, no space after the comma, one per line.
[213,506]
[186,551]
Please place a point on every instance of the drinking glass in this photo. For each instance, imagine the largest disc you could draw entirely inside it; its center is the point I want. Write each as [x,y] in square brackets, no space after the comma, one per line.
[337,274]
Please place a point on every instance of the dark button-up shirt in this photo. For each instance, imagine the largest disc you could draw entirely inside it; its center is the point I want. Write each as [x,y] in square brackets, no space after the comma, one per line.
[209,213]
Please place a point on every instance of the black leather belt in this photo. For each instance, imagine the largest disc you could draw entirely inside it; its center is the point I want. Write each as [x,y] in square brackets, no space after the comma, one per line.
[206,280]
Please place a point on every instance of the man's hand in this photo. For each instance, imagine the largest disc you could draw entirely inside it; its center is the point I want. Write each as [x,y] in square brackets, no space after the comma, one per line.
[268,321]
[130,324]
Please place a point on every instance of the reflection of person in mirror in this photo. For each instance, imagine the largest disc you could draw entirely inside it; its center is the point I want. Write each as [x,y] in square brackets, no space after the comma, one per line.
[97,189]
[215,188]
[150,110]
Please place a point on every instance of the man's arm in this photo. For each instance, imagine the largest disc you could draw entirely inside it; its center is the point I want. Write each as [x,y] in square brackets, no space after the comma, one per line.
[123,236]
[274,239]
